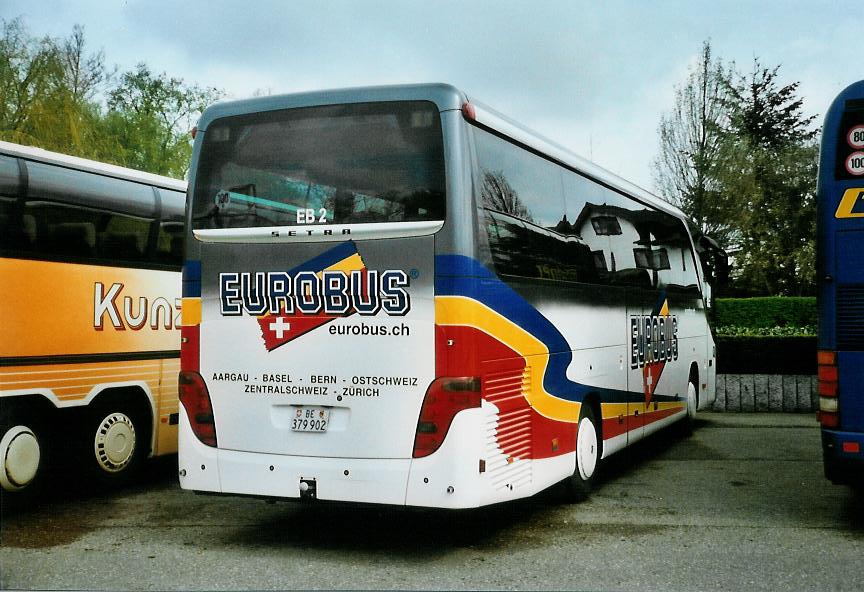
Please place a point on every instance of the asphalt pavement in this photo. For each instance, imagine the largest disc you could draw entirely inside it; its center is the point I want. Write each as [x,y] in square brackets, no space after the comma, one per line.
[739,505]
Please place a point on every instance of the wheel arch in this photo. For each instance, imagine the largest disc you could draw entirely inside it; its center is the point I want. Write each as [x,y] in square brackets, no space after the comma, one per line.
[29,403]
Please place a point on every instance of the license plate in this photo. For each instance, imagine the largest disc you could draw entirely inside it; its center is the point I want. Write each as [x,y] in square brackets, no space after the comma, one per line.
[310,419]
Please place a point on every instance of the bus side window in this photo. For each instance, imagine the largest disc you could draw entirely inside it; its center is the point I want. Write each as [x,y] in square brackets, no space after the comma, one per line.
[65,231]
[508,245]
[124,238]
[675,242]
[76,239]
[169,246]
[13,237]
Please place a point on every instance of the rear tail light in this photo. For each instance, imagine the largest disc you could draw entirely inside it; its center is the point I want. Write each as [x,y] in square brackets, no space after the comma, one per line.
[828,374]
[444,398]
[829,420]
[828,379]
[199,409]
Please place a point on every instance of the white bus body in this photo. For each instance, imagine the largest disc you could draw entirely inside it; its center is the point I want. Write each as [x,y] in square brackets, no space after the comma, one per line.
[395,295]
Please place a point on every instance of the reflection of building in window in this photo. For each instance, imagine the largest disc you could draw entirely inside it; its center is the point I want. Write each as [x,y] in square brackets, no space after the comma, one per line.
[523,249]
[599,260]
[637,245]
[610,231]
[564,227]
[606,225]
[656,259]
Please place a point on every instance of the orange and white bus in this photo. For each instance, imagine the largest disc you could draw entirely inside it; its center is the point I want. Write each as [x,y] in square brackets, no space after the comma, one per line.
[90,256]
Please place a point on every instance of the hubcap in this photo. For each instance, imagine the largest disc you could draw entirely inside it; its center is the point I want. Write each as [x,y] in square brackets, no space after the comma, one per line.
[586,449]
[19,450]
[115,442]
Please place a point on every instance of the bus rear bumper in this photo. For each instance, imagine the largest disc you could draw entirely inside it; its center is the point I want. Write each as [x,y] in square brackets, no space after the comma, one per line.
[463,473]
[843,456]
[214,470]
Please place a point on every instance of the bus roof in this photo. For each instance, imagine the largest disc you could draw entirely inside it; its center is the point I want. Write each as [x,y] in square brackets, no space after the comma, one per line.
[447,98]
[92,166]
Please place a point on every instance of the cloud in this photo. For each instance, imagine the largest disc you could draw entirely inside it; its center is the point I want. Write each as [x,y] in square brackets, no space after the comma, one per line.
[592,76]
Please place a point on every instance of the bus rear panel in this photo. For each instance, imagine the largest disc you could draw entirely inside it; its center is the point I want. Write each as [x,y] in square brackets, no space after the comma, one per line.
[840,273]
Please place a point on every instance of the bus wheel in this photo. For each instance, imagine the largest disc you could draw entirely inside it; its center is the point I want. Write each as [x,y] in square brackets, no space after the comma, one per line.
[24,455]
[689,421]
[692,402]
[589,449]
[114,441]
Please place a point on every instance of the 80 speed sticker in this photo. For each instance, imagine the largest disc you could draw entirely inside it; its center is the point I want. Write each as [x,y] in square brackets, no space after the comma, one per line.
[855,137]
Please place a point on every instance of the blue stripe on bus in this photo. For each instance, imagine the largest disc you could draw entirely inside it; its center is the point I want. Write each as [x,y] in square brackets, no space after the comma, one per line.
[458,275]
[327,258]
[459,265]
[191,279]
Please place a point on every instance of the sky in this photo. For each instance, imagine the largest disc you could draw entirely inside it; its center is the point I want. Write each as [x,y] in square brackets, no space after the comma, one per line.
[593,76]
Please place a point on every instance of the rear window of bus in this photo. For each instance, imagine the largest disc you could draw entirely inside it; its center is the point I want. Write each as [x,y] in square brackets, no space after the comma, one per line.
[339,164]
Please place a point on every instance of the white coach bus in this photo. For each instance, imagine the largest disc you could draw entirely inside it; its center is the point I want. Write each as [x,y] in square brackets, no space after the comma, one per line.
[396,295]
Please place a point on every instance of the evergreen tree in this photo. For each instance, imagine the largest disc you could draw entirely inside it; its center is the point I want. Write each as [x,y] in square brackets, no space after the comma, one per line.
[769,160]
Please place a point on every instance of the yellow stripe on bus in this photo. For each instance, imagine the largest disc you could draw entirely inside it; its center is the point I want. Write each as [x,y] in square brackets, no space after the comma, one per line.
[53,373]
[85,379]
[349,264]
[190,312]
[462,311]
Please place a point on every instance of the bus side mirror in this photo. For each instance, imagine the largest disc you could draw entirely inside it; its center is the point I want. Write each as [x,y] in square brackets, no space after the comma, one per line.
[721,269]
[715,263]
[707,294]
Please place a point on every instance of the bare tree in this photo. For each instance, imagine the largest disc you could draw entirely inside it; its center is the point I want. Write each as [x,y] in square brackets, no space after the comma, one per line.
[498,194]
[691,137]
[83,74]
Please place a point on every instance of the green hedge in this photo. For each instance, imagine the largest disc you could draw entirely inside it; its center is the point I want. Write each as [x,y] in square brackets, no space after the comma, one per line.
[735,330]
[773,315]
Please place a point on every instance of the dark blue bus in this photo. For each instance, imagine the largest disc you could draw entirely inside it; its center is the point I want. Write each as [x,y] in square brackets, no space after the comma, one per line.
[840,276]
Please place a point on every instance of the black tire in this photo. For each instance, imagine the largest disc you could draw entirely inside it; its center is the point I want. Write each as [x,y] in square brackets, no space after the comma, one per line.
[113,441]
[24,456]
[835,471]
[589,450]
